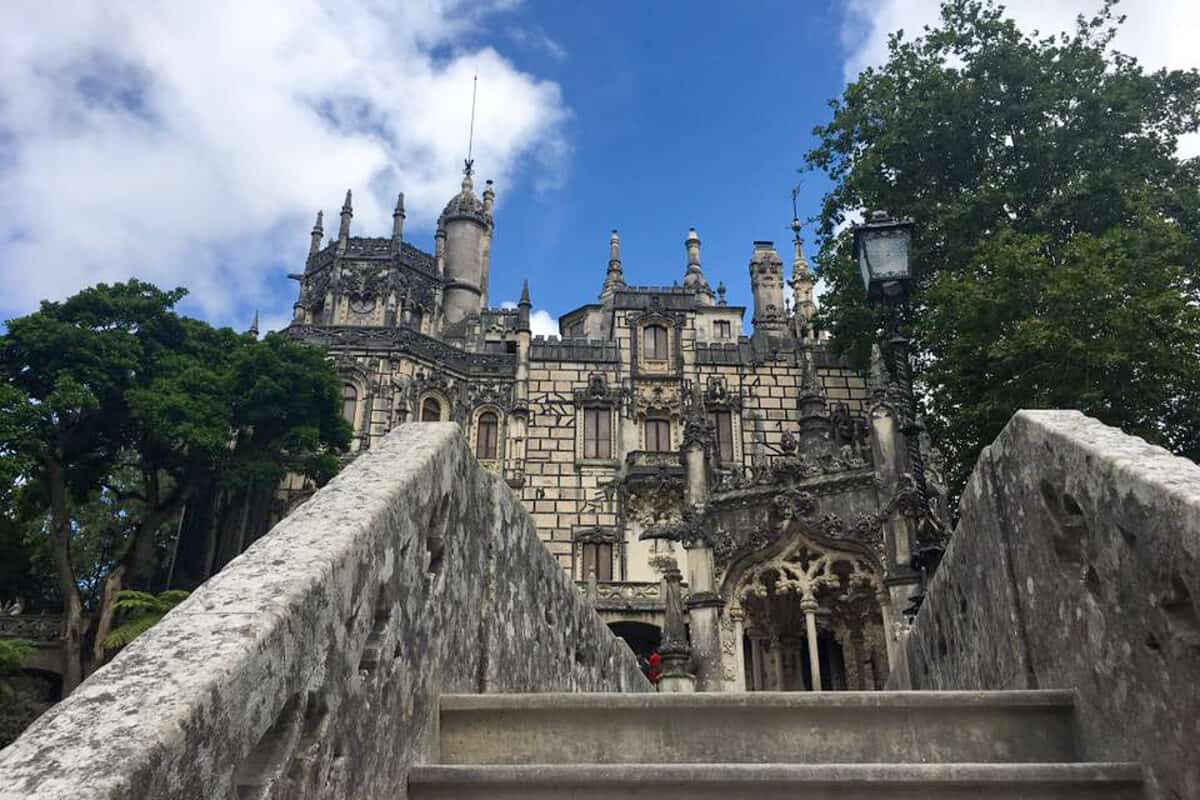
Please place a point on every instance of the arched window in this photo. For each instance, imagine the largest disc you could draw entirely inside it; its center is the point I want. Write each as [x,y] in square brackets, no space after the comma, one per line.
[349,403]
[485,436]
[431,410]
[656,342]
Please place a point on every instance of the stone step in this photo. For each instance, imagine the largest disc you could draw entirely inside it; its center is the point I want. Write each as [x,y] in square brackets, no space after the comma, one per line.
[778,781]
[759,727]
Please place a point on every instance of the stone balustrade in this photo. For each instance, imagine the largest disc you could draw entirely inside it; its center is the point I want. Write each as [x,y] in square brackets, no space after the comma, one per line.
[1076,565]
[311,666]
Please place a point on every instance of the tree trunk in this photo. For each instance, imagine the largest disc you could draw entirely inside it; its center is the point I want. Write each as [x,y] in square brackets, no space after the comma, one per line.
[60,546]
[113,584]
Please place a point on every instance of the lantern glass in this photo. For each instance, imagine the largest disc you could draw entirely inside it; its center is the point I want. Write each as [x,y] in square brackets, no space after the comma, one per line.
[883,255]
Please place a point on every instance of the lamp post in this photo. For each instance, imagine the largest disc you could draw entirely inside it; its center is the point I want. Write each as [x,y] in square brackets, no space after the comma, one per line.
[881,246]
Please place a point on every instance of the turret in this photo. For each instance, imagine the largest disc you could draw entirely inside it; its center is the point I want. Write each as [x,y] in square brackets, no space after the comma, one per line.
[466,226]
[344,228]
[398,225]
[615,279]
[694,278]
[766,283]
[318,233]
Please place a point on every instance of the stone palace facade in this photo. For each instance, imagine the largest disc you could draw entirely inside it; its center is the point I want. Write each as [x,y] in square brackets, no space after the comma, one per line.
[650,433]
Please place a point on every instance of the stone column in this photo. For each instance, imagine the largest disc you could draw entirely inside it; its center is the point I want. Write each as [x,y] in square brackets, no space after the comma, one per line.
[676,654]
[737,616]
[809,606]
[775,660]
[704,609]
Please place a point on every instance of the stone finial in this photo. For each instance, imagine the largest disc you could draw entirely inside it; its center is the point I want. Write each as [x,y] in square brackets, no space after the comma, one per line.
[721,293]
[398,224]
[344,228]
[318,232]
[615,279]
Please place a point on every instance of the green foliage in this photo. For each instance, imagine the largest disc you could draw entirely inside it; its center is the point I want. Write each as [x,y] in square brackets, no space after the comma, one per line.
[140,612]
[12,653]
[114,411]
[1057,232]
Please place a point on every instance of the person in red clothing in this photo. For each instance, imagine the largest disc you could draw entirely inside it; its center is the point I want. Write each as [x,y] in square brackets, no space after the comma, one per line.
[654,666]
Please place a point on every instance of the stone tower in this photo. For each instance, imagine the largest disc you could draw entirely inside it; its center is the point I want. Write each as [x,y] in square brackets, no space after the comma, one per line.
[466,228]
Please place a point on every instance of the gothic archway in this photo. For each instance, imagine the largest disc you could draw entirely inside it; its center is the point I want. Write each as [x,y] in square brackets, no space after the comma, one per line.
[804,614]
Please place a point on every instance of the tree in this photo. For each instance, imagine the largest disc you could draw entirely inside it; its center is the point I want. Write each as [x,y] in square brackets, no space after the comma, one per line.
[119,410]
[66,371]
[1057,231]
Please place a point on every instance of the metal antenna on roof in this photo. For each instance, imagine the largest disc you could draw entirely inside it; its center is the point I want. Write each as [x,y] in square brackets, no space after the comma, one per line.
[470,162]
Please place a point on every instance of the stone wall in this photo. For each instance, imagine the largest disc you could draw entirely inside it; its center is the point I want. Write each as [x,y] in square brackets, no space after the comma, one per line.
[311,666]
[1076,565]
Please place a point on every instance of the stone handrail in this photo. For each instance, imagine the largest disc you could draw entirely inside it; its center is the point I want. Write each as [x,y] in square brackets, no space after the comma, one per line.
[1076,565]
[311,666]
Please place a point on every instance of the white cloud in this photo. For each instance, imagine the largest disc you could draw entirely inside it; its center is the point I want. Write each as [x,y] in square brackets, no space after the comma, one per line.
[542,323]
[1159,33]
[192,143]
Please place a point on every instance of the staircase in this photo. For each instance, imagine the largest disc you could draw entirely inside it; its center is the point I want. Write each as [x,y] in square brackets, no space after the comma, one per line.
[845,745]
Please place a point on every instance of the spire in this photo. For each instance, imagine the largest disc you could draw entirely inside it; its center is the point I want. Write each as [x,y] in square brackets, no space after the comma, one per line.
[254,325]
[344,228]
[721,294]
[616,276]
[694,279]
[802,284]
[523,308]
[398,225]
[318,232]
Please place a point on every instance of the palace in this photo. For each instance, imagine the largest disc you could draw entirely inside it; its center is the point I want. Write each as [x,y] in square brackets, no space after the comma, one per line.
[651,438]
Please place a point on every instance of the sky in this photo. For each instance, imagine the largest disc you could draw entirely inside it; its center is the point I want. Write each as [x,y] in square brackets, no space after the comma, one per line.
[191,144]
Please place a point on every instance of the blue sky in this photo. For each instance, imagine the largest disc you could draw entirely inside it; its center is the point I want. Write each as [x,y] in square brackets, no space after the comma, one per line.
[192,144]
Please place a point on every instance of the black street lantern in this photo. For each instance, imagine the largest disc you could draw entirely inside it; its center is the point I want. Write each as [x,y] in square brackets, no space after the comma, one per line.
[881,246]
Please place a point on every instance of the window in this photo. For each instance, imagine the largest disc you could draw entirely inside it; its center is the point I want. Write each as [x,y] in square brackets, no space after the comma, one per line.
[431,410]
[485,436]
[598,558]
[723,422]
[349,403]
[658,435]
[597,433]
[722,329]
[656,342]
